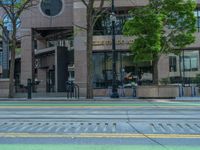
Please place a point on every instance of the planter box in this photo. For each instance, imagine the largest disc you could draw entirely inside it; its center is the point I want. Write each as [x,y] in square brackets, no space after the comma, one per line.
[157,91]
[107,92]
[4,88]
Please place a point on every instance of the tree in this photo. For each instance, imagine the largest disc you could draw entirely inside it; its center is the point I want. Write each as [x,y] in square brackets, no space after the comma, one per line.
[161,27]
[13,9]
[93,12]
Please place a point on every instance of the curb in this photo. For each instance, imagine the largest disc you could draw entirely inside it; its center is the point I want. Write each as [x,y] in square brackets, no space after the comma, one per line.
[99,99]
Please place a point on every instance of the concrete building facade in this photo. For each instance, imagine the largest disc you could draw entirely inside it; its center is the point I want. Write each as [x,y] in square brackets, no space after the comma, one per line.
[51,33]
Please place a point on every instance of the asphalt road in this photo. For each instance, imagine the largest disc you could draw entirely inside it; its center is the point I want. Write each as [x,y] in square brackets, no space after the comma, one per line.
[151,126]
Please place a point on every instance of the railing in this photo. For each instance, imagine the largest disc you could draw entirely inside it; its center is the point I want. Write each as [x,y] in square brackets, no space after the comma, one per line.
[72,90]
[192,90]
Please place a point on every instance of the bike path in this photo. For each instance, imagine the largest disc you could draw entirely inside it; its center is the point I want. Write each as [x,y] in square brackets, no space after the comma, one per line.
[93,147]
[97,104]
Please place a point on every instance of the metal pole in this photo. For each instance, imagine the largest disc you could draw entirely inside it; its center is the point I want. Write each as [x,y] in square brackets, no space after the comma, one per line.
[114,72]
[29,88]
[190,71]
[184,77]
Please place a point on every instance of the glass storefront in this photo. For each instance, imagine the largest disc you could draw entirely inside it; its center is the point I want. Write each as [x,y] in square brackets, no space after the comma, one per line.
[185,67]
[190,61]
[182,69]
[128,73]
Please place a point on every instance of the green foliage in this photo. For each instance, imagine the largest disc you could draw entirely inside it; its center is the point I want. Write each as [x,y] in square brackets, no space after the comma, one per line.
[165,81]
[14,8]
[147,27]
[163,26]
[18,51]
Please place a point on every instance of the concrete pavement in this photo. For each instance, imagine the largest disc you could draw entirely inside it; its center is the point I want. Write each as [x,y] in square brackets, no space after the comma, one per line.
[147,119]
[107,125]
[64,98]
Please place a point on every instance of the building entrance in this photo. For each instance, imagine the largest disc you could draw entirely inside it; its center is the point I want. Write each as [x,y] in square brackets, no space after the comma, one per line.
[51,81]
[54,52]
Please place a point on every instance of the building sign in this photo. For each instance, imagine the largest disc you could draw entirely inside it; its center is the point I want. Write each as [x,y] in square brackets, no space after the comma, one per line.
[109,42]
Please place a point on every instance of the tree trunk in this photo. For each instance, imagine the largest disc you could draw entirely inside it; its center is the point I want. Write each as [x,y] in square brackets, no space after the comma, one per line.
[12,63]
[89,54]
[155,70]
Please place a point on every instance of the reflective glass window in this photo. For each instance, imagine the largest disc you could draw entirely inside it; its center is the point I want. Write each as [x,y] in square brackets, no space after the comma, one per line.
[8,24]
[51,7]
[128,73]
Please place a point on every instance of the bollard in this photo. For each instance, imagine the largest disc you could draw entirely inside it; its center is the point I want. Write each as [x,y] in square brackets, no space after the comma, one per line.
[193,91]
[180,91]
[72,90]
[29,88]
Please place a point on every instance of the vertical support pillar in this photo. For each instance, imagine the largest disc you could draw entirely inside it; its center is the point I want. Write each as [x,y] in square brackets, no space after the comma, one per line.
[26,56]
[80,52]
[114,57]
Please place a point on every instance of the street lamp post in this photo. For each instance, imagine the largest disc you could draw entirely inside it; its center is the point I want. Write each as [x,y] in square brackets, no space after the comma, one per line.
[114,72]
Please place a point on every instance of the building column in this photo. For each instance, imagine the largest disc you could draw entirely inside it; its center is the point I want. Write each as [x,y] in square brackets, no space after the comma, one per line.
[163,63]
[80,53]
[26,56]
[41,44]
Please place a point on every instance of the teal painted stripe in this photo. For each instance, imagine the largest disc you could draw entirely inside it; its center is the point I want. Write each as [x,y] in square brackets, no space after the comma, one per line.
[99,104]
[117,105]
[93,147]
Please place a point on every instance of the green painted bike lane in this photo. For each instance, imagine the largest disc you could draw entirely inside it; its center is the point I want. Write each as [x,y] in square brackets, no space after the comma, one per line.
[101,104]
[94,147]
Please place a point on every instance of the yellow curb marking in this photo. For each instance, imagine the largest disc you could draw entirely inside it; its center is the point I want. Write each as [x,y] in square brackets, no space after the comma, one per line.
[77,107]
[97,135]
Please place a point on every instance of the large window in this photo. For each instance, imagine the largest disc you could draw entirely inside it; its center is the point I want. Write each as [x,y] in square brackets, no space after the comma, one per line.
[128,73]
[190,61]
[104,24]
[102,76]
[185,67]
[172,64]
[197,14]
[51,7]
[8,24]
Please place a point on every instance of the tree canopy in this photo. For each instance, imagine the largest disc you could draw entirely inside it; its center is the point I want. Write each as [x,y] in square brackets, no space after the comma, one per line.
[162,26]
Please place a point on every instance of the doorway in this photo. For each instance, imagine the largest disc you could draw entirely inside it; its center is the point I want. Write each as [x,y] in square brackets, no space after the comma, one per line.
[51,80]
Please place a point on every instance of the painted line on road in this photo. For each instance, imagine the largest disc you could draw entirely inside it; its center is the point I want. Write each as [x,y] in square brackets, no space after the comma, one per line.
[99,135]
[91,107]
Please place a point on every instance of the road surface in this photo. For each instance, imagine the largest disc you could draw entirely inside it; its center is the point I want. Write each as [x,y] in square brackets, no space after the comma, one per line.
[124,125]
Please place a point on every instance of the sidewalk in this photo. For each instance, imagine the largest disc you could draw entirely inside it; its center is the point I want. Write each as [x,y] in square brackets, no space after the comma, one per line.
[188,98]
[105,99]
